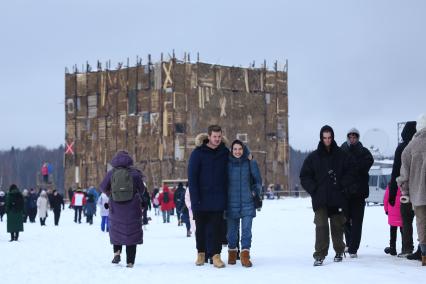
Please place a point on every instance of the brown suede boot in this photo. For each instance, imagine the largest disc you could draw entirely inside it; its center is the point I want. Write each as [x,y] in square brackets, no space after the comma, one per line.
[217,262]
[423,260]
[232,256]
[200,259]
[245,258]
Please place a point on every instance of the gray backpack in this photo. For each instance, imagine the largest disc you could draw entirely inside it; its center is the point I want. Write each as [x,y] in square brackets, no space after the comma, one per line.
[121,185]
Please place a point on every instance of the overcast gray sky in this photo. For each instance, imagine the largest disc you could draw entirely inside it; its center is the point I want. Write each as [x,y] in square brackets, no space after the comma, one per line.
[351,63]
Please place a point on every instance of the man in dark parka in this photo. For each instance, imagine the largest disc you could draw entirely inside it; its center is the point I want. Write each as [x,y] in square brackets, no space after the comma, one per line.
[325,173]
[207,175]
[355,198]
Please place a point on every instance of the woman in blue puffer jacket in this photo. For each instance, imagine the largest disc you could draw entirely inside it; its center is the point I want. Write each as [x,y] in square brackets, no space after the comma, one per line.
[244,181]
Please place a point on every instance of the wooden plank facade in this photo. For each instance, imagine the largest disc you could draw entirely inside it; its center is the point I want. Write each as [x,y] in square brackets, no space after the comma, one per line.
[154,112]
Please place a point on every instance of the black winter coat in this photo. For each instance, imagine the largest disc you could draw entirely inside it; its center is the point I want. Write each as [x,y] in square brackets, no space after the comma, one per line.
[179,197]
[406,135]
[208,177]
[325,175]
[57,202]
[363,160]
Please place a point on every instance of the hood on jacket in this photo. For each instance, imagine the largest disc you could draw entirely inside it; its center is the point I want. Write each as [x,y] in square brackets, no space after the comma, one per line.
[166,188]
[421,122]
[326,128]
[408,131]
[203,138]
[122,159]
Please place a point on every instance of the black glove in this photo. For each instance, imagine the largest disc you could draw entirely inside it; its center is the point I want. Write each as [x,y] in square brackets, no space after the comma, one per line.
[386,212]
[106,205]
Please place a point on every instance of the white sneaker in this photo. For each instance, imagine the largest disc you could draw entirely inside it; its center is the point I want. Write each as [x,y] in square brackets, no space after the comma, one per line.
[353,255]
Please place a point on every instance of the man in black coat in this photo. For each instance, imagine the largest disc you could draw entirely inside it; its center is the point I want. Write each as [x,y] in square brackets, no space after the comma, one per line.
[325,173]
[407,212]
[207,176]
[355,198]
[57,203]
[179,199]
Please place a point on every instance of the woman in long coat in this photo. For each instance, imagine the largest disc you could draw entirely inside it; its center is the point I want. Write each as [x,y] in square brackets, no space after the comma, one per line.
[125,218]
[244,181]
[14,211]
[42,207]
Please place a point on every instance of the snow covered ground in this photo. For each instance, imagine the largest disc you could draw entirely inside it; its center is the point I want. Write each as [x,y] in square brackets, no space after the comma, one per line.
[283,240]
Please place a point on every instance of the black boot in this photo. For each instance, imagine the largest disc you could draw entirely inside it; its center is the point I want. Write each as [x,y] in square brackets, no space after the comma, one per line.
[12,237]
[390,250]
[116,258]
[415,256]
[16,236]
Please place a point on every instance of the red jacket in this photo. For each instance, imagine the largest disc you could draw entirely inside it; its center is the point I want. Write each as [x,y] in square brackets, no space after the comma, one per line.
[44,171]
[78,199]
[169,205]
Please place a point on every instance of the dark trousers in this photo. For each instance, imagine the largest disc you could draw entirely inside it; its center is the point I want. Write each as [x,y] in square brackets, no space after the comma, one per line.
[393,231]
[145,216]
[56,215]
[208,233]
[32,213]
[77,211]
[14,236]
[354,214]
[407,215]
[89,219]
[322,232]
[130,252]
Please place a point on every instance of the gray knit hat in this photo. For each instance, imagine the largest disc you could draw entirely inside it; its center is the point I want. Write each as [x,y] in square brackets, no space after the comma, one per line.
[354,131]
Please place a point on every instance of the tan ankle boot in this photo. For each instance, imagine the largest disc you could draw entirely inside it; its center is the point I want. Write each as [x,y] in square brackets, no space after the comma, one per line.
[423,260]
[232,256]
[200,259]
[217,262]
[245,258]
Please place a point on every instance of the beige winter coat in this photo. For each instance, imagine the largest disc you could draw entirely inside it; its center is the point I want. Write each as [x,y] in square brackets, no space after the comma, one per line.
[42,206]
[412,179]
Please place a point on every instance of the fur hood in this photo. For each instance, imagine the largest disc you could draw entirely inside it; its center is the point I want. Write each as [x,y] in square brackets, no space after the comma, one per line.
[203,137]
[421,122]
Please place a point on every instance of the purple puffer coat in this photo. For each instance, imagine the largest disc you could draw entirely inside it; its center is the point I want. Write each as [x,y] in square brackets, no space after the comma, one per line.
[125,218]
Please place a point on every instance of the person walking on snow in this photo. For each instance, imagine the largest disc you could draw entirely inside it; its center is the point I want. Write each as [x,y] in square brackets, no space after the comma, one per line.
[166,203]
[42,207]
[355,200]
[325,173]
[102,200]
[124,187]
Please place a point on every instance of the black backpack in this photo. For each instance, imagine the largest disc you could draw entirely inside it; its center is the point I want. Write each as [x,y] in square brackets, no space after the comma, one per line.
[166,198]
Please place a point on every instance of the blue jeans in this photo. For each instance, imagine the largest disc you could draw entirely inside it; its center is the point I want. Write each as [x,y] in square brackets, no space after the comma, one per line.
[233,231]
[166,216]
[104,224]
